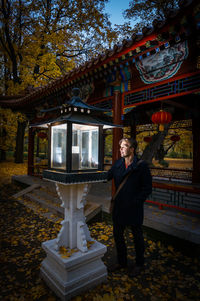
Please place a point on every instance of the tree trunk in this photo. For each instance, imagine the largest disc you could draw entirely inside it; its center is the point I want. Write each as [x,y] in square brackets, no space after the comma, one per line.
[38,147]
[2,155]
[8,44]
[2,151]
[150,151]
[19,153]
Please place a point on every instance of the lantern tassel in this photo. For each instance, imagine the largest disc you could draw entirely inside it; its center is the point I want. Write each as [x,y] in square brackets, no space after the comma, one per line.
[161,127]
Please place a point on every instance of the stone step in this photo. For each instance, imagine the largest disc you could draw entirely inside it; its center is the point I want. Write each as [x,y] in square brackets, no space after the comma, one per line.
[91,209]
[48,195]
[45,203]
[30,180]
[26,190]
[173,223]
[49,186]
[45,195]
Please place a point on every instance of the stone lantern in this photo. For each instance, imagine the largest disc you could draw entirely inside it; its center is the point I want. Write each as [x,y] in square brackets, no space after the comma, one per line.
[75,161]
[76,143]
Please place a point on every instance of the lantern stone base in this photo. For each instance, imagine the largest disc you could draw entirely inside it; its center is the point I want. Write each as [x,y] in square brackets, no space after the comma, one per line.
[69,277]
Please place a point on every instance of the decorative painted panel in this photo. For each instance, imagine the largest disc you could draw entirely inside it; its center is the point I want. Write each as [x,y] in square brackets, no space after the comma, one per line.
[118,79]
[163,64]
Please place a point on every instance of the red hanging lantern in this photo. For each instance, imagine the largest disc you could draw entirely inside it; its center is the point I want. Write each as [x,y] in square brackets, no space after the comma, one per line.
[161,118]
[175,138]
[147,139]
[42,135]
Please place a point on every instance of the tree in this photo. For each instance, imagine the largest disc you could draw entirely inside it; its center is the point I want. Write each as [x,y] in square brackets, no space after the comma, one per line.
[19,149]
[8,133]
[42,39]
[174,142]
[152,149]
[143,12]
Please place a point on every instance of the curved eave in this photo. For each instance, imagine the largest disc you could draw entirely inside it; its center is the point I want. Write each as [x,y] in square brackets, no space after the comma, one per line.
[78,118]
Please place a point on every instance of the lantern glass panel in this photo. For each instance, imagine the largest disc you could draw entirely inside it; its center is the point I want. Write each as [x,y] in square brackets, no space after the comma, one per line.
[58,146]
[85,147]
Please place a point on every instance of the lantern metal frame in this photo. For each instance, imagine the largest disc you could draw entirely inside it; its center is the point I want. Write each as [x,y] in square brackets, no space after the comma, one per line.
[68,165]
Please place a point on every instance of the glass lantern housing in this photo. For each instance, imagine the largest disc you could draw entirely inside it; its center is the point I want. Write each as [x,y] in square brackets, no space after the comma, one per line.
[85,147]
[58,146]
[75,147]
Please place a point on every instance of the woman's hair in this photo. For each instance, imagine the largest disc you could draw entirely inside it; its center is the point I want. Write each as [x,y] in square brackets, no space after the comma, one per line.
[132,142]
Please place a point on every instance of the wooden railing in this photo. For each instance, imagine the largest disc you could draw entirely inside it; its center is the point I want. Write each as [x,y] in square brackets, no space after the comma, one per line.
[162,205]
[172,173]
[184,175]
[179,196]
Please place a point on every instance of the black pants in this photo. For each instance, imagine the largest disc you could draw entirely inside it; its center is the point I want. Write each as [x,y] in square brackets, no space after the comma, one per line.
[118,232]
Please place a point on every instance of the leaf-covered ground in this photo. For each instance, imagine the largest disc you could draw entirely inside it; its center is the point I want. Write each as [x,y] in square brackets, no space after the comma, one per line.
[7,170]
[169,274]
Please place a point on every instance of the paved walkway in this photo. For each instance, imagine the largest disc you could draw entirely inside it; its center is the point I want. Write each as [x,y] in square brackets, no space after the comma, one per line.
[176,223]
[173,222]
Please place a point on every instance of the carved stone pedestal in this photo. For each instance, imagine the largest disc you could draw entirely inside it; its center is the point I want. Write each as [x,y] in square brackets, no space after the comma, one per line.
[83,268]
[70,277]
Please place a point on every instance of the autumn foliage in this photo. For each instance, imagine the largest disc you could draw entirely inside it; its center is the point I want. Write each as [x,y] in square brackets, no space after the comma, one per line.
[42,40]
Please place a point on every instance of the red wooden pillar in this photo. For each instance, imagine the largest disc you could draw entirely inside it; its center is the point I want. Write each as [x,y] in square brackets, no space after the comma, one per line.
[117,132]
[196,150]
[31,151]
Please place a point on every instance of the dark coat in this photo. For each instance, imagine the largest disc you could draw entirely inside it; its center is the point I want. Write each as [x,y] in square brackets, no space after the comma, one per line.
[129,203]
